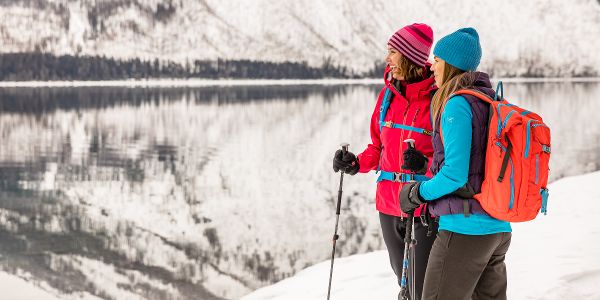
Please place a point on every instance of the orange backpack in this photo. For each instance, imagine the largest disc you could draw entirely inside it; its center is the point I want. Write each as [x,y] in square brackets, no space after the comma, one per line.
[516,164]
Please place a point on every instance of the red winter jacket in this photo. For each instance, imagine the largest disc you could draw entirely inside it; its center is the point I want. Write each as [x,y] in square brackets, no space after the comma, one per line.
[385,150]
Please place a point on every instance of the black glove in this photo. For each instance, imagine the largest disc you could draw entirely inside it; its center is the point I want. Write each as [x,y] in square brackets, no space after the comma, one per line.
[347,162]
[410,197]
[414,161]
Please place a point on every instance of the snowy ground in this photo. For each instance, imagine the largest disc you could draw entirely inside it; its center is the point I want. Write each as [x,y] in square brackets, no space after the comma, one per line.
[554,257]
[17,288]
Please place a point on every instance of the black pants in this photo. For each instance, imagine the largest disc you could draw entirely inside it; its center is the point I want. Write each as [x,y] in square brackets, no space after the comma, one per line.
[393,230]
[467,267]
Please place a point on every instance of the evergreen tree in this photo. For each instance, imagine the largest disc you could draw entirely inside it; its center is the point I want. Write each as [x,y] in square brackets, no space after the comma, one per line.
[44,66]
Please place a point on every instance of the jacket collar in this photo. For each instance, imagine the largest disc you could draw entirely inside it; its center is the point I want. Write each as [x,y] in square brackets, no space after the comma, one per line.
[412,89]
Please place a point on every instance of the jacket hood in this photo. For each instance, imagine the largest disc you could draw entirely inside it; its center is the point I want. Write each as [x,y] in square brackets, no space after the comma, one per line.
[482,80]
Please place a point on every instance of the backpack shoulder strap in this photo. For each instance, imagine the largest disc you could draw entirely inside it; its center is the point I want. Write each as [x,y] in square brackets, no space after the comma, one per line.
[474,93]
[385,105]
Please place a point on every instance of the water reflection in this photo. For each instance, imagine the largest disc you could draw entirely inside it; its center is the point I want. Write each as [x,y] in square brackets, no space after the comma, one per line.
[64,246]
[570,109]
[46,99]
[169,194]
[206,193]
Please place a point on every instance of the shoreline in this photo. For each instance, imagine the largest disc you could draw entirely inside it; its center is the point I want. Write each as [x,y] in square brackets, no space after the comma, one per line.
[172,83]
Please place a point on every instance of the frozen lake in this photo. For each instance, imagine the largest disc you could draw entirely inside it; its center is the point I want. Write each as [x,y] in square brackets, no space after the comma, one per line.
[207,192]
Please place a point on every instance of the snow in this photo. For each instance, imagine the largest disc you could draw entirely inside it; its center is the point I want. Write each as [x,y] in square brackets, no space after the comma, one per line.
[16,288]
[553,257]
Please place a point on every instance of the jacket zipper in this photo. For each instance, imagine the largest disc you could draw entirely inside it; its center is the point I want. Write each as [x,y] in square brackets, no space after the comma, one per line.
[414,120]
[401,146]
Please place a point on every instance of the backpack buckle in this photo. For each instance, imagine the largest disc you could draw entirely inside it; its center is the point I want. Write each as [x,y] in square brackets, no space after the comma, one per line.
[401,177]
[388,124]
[546,148]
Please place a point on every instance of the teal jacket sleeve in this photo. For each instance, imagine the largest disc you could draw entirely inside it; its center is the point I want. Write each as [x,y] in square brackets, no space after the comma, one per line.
[456,123]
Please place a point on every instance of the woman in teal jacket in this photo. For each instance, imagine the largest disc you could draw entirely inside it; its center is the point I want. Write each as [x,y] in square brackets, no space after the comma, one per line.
[467,257]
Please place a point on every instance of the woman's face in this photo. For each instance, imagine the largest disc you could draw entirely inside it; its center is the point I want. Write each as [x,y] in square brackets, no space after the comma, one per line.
[438,70]
[393,60]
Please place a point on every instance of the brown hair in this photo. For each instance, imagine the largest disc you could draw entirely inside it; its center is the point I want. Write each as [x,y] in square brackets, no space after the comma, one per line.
[453,80]
[409,70]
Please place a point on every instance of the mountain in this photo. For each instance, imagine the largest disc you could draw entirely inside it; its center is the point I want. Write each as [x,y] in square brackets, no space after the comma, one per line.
[532,38]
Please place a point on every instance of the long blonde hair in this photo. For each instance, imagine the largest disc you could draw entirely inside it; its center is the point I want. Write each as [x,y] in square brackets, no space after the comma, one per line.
[453,80]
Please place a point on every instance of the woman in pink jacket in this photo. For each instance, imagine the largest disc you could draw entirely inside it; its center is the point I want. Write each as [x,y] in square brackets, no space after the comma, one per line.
[401,112]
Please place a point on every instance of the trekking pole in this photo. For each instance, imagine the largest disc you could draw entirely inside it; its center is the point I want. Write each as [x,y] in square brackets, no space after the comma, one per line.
[412,262]
[337,219]
[408,242]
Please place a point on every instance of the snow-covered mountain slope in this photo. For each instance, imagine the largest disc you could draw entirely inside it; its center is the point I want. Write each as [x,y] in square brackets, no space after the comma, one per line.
[554,257]
[537,37]
[18,288]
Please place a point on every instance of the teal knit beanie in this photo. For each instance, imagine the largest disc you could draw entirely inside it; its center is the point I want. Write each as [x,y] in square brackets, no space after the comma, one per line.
[460,49]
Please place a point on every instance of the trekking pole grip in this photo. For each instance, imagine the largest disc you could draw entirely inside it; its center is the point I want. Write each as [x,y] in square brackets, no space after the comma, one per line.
[410,143]
[344,147]
[339,202]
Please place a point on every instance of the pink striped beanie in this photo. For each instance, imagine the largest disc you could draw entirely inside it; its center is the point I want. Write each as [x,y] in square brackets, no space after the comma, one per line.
[413,41]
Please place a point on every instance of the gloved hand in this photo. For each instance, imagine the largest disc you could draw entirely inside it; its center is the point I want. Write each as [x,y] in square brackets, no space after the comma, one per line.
[348,162]
[410,197]
[414,161]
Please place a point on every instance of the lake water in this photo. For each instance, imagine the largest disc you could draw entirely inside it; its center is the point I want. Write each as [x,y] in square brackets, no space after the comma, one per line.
[207,193]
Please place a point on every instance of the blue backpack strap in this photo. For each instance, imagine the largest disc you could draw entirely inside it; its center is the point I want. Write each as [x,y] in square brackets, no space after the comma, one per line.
[405,127]
[499,91]
[384,175]
[545,194]
[385,105]
[399,177]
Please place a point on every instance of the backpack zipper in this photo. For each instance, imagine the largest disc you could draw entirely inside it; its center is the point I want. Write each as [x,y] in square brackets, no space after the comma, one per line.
[537,167]
[528,136]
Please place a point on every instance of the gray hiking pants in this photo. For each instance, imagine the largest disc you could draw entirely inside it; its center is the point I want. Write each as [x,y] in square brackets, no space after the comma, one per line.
[465,267]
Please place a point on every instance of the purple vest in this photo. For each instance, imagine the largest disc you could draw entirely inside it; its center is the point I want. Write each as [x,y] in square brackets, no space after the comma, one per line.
[451,204]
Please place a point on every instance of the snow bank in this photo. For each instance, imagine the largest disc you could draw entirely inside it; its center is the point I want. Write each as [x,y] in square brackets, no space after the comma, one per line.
[554,257]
